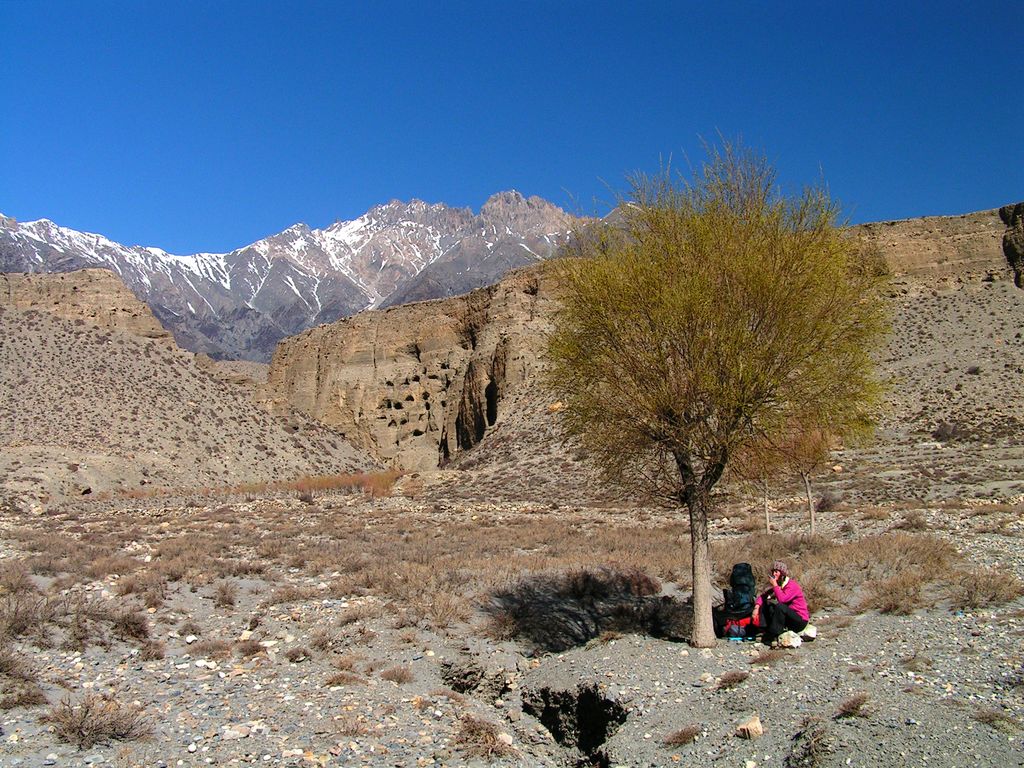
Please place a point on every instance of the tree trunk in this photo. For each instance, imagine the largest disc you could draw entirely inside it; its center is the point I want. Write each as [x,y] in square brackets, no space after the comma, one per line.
[767,519]
[806,477]
[703,627]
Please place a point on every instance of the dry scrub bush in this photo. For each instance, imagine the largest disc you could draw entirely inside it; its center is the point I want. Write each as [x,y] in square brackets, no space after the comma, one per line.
[119,564]
[322,640]
[480,738]
[811,745]
[685,735]
[350,725]
[130,625]
[982,587]
[150,586]
[248,648]
[899,594]
[15,579]
[19,689]
[212,649]
[27,614]
[347,661]
[225,595]
[96,719]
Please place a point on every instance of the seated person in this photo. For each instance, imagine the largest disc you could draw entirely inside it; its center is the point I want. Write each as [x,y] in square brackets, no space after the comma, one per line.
[782,607]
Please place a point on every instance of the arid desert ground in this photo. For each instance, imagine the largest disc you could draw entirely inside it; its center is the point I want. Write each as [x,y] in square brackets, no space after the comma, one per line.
[192,573]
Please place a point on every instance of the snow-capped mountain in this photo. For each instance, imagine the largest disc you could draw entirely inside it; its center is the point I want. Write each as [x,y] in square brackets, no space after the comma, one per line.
[240,304]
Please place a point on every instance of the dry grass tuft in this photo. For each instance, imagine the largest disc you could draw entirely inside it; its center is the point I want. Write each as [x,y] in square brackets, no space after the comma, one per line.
[853,706]
[685,735]
[731,679]
[398,674]
[339,679]
[768,656]
[480,738]
[212,649]
[997,718]
[96,720]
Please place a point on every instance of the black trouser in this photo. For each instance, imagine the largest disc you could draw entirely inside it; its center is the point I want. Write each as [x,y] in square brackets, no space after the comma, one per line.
[778,617]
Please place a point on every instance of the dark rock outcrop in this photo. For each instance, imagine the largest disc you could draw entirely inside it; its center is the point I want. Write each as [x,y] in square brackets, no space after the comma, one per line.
[1013,240]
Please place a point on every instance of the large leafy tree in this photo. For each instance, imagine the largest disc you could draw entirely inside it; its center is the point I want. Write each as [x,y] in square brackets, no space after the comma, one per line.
[700,322]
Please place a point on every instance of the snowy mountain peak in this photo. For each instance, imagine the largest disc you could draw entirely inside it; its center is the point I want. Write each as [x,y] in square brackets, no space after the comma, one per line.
[239,304]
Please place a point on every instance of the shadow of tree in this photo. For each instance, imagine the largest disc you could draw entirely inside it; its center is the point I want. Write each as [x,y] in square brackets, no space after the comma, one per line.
[558,611]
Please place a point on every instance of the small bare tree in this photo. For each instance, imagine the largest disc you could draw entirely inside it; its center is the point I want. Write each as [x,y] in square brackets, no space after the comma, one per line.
[713,314]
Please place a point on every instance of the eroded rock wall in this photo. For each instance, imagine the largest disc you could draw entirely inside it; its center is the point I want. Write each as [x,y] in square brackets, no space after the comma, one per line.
[96,296]
[940,245]
[416,384]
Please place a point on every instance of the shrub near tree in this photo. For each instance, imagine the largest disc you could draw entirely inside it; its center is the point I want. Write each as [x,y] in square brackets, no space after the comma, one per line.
[715,313]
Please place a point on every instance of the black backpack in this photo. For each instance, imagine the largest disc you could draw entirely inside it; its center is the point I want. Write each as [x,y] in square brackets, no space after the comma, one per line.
[739,598]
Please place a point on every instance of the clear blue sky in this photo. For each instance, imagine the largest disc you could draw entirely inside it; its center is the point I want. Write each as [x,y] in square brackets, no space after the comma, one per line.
[208,125]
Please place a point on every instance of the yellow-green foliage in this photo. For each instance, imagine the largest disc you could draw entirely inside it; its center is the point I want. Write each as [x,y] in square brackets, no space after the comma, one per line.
[712,317]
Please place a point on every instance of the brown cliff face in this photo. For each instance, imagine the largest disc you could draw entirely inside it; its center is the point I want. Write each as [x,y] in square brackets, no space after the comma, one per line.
[940,245]
[416,384]
[94,295]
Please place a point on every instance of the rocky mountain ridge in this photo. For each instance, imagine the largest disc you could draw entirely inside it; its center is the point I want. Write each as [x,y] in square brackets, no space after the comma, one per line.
[239,304]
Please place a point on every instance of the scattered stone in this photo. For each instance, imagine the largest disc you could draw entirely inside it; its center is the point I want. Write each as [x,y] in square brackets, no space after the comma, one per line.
[750,728]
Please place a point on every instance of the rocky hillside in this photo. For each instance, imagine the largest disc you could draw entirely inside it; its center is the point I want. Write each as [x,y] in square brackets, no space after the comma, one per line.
[239,304]
[94,397]
[94,296]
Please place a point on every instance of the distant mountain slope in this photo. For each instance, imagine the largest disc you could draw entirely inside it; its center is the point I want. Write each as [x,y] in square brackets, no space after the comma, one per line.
[240,304]
[85,409]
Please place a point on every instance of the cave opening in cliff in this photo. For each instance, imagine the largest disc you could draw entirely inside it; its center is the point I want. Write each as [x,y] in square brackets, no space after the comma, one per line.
[491,402]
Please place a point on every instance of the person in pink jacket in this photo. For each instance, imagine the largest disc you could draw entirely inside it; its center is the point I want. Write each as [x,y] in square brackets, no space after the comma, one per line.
[782,607]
